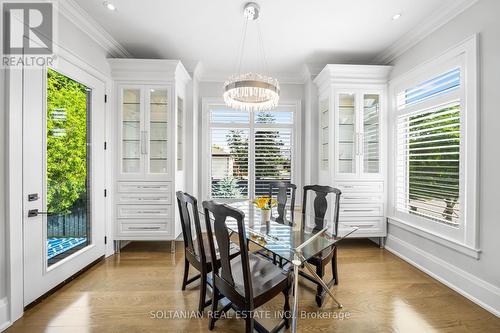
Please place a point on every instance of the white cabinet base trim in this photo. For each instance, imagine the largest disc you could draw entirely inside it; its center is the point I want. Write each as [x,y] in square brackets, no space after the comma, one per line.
[475,289]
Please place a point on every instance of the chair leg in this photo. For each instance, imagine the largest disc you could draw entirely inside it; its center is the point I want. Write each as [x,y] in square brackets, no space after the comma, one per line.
[186,272]
[335,271]
[286,308]
[320,270]
[249,324]
[215,303]
[203,292]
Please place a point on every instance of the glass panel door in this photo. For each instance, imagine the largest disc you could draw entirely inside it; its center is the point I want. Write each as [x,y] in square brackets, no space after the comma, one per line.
[67,166]
[371,133]
[131,131]
[347,133]
[158,130]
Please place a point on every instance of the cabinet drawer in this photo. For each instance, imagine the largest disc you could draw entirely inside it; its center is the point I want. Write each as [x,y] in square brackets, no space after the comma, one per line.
[150,187]
[365,226]
[360,187]
[361,210]
[145,211]
[144,198]
[146,228]
[361,198]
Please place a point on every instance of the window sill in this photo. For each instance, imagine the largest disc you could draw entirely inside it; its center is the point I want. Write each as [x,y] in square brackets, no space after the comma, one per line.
[452,244]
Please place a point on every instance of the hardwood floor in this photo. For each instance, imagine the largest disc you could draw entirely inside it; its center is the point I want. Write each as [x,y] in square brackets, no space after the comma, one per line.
[380,293]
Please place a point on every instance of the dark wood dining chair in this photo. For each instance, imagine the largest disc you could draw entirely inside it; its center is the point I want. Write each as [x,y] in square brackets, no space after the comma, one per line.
[281,190]
[329,255]
[247,281]
[196,250]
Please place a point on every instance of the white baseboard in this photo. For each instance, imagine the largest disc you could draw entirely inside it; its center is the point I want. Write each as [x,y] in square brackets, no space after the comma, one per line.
[475,289]
[4,314]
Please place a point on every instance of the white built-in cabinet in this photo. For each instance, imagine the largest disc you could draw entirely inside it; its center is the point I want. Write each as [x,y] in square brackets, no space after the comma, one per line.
[352,138]
[150,135]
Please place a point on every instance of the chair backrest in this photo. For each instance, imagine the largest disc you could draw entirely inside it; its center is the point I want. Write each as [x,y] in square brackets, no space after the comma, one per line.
[184,200]
[320,205]
[220,213]
[282,198]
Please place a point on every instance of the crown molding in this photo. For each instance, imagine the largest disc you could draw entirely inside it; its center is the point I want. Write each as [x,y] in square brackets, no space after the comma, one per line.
[205,75]
[366,74]
[159,70]
[440,17]
[81,19]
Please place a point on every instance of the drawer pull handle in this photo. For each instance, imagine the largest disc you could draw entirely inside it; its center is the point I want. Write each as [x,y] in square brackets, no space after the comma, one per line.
[149,212]
[143,199]
[144,228]
[358,210]
[363,226]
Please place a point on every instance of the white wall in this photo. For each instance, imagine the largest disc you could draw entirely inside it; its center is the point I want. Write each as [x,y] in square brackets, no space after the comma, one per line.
[477,279]
[73,39]
[215,89]
[3,285]
[310,144]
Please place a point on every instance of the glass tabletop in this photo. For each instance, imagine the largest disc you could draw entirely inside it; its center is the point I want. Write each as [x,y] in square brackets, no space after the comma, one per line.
[283,239]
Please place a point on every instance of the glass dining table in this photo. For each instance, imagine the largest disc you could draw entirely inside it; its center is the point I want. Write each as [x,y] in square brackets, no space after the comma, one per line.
[290,241]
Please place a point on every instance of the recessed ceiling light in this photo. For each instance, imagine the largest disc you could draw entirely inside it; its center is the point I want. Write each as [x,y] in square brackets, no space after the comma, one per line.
[396,16]
[109,5]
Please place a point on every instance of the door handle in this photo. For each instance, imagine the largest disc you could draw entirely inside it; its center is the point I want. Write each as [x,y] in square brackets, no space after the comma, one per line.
[35,212]
[33,197]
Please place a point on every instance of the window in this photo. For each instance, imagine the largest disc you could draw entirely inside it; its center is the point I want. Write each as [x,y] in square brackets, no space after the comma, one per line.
[434,143]
[248,151]
[428,154]
[428,164]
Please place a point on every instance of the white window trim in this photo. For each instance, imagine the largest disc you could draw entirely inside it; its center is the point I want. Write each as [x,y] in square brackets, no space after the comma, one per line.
[464,239]
[210,102]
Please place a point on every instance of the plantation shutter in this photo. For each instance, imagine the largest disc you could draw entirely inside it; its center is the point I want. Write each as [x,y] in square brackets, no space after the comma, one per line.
[428,150]
[249,151]
[273,158]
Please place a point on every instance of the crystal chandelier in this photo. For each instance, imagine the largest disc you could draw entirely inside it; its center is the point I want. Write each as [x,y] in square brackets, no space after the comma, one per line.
[251,91]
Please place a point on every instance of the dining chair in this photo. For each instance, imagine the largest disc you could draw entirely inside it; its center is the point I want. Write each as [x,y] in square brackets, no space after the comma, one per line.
[196,249]
[329,255]
[281,190]
[245,289]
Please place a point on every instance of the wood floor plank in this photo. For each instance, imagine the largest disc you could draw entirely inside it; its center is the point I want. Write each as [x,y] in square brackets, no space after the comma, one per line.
[135,290]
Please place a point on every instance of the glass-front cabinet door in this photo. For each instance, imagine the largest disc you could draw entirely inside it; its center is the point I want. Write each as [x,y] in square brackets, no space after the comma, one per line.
[144,131]
[346,133]
[370,134]
[324,114]
[158,131]
[131,131]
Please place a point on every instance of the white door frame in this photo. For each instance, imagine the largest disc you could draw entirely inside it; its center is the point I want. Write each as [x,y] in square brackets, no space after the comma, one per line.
[14,177]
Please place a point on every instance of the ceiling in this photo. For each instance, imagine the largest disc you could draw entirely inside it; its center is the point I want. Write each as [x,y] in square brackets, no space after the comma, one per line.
[295,32]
